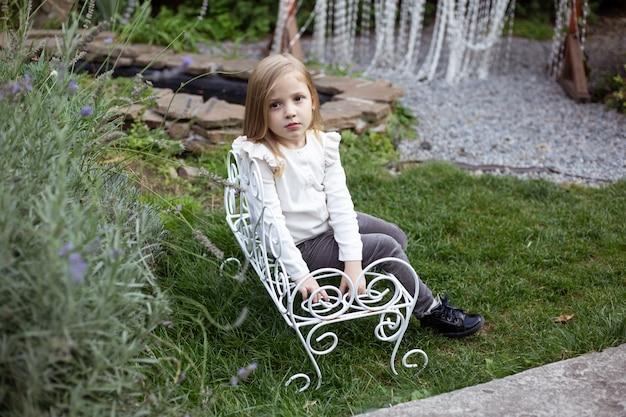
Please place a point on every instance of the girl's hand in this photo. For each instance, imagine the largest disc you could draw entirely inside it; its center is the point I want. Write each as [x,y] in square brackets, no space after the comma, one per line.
[309,287]
[353,269]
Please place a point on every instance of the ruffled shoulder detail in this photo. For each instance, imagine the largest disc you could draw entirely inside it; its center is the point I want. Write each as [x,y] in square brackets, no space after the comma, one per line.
[242,146]
[331,146]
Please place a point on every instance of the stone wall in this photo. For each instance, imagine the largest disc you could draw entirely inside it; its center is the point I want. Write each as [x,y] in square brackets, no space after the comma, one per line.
[355,103]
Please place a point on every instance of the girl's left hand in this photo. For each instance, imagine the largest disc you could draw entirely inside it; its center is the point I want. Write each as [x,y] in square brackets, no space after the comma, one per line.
[353,270]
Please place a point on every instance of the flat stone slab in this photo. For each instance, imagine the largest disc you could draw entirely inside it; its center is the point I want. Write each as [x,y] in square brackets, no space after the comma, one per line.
[178,106]
[237,68]
[374,91]
[152,119]
[131,112]
[591,385]
[330,84]
[102,49]
[337,119]
[371,111]
[215,113]
[150,57]
[214,136]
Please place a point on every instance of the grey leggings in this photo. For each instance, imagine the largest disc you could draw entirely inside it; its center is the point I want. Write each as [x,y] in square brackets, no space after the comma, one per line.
[381,239]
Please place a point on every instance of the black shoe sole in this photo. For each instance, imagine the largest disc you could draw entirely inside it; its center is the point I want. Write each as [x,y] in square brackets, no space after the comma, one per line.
[468,332]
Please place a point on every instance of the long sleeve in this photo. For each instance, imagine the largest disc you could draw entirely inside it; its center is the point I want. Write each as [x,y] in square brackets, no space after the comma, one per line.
[290,255]
[342,218]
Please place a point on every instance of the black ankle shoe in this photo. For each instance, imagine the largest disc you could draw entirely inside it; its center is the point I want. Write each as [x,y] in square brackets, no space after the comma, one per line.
[452,321]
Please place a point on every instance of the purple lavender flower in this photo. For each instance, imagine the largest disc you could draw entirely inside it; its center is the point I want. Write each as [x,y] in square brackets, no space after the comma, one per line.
[27,85]
[86,111]
[244,373]
[67,248]
[187,60]
[78,267]
[73,86]
[16,88]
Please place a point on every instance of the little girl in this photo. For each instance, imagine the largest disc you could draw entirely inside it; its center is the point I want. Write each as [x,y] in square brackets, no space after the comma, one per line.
[304,184]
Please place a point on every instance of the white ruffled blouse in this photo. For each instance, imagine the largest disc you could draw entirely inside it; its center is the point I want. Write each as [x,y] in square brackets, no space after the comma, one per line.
[309,198]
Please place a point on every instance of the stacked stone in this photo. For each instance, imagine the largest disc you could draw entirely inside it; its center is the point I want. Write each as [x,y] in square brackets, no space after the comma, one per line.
[355,104]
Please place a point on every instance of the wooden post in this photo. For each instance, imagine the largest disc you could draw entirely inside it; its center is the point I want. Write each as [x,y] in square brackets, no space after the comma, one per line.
[572,77]
[291,31]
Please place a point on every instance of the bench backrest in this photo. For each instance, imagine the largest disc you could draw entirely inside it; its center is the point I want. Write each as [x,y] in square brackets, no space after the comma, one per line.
[258,238]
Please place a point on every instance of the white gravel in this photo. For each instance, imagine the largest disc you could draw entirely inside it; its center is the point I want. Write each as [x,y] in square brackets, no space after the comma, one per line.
[519,117]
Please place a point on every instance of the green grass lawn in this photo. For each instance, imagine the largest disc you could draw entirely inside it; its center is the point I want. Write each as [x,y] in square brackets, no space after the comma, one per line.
[103,312]
[521,252]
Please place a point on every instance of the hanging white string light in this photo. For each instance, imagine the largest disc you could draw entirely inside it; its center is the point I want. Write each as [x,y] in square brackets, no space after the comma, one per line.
[416,13]
[563,10]
[464,31]
[366,24]
[474,29]
[281,22]
[319,29]
[429,67]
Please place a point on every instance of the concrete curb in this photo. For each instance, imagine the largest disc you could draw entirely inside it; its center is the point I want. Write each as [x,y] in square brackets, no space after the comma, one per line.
[591,385]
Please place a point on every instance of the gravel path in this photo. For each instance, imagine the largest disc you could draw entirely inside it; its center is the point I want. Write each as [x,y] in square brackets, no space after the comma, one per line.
[518,118]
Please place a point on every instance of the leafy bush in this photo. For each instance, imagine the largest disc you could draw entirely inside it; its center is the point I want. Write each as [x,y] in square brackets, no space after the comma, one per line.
[152,141]
[183,30]
[378,146]
[535,29]
[611,90]
[617,98]
[369,147]
[78,298]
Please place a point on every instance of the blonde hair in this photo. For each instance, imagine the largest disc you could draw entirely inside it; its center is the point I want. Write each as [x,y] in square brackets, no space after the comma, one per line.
[265,76]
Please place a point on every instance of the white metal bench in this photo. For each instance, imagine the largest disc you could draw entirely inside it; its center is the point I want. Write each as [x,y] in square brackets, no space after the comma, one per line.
[385,296]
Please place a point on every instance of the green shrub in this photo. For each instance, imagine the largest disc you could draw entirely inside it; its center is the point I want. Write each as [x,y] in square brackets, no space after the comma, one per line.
[611,90]
[182,30]
[537,29]
[617,98]
[378,146]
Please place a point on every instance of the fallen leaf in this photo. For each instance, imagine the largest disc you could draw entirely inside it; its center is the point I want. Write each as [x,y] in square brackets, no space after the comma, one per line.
[309,404]
[563,318]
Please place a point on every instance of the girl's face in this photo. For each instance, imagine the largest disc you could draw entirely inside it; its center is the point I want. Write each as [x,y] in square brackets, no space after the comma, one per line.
[290,111]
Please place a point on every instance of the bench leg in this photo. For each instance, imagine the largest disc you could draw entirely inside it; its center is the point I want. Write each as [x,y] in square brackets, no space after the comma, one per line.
[387,322]
[311,352]
[391,328]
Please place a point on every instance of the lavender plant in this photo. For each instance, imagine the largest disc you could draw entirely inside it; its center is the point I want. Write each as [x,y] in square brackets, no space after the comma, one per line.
[78,298]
